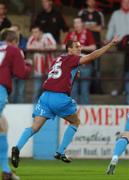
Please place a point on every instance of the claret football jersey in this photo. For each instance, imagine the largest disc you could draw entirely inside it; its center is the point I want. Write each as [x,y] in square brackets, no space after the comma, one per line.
[62,73]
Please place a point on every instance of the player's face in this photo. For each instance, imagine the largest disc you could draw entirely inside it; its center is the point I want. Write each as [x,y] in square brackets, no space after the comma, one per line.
[46,4]
[91,3]
[76,48]
[2,9]
[36,33]
[78,24]
[125,4]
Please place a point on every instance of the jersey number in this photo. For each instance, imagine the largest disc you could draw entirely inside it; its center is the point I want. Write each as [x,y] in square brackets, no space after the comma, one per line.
[56,71]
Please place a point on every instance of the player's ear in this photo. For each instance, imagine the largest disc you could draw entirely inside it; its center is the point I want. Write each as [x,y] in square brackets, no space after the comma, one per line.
[69,49]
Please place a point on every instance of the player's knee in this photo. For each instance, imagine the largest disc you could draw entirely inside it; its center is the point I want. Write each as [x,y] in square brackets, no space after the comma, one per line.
[3,125]
[38,123]
[125,134]
[76,122]
[35,128]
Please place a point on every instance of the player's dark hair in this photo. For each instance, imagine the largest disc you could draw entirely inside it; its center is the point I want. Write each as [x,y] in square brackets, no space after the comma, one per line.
[9,36]
[2,3]
[69,44]
[77,17]
[34,26]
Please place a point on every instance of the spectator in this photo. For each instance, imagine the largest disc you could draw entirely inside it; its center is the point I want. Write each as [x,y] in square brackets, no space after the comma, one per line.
[94,21]
[85,37]
[119,21]
[51,20]
[19,84]
[119,24]
[4,21]
[40,41]
[22,39]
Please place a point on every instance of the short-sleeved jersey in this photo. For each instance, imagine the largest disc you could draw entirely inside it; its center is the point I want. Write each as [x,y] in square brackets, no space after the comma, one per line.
[62,73]
[12,65]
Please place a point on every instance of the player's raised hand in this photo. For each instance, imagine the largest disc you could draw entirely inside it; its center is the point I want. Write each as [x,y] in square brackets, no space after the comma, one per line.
[115,40]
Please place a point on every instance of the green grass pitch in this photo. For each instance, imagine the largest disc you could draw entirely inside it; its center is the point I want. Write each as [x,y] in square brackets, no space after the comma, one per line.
[77,170]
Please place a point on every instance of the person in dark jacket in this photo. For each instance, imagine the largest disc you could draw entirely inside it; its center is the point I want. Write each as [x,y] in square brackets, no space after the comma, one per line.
[51,20]
[94,21]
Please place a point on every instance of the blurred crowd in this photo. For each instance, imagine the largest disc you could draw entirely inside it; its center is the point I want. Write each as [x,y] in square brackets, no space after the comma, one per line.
[46,38]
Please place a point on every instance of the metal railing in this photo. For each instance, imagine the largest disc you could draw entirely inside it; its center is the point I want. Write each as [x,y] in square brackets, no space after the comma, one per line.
[29,88]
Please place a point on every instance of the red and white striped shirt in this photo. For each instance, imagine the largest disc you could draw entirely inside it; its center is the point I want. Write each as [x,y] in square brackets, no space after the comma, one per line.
[42,62]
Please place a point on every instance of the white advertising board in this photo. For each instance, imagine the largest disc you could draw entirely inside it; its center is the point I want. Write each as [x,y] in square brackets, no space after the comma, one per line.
[19,117]
[100,126]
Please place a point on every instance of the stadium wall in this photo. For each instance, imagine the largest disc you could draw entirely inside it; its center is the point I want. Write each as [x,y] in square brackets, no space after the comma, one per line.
[100,126]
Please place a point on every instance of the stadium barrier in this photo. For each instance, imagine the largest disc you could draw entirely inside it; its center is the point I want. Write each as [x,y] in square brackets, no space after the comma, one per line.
[30,53]
[19,117]
[100,126]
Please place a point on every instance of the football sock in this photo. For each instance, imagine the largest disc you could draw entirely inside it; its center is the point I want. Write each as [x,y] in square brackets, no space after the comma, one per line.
[68,136]
[4,153]
[120,146]
[28,132]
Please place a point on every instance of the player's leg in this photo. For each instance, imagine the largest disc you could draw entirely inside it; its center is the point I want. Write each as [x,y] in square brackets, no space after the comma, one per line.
[27,133]
[40,114]
[68,136]
[7,174]
[4,146]
[120,147]
[3,135]
[65,107]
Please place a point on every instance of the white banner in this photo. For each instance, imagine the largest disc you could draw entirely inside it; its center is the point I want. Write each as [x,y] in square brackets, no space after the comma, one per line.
[100,126]
[19,117]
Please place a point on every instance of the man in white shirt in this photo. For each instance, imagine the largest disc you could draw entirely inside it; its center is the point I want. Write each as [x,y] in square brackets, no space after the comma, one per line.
[119,24]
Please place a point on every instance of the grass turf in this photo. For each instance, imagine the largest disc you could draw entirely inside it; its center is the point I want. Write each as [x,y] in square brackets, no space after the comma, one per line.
[77,170]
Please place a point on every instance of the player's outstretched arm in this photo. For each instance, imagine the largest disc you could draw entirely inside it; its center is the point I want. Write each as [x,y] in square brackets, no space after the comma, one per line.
[99,52]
